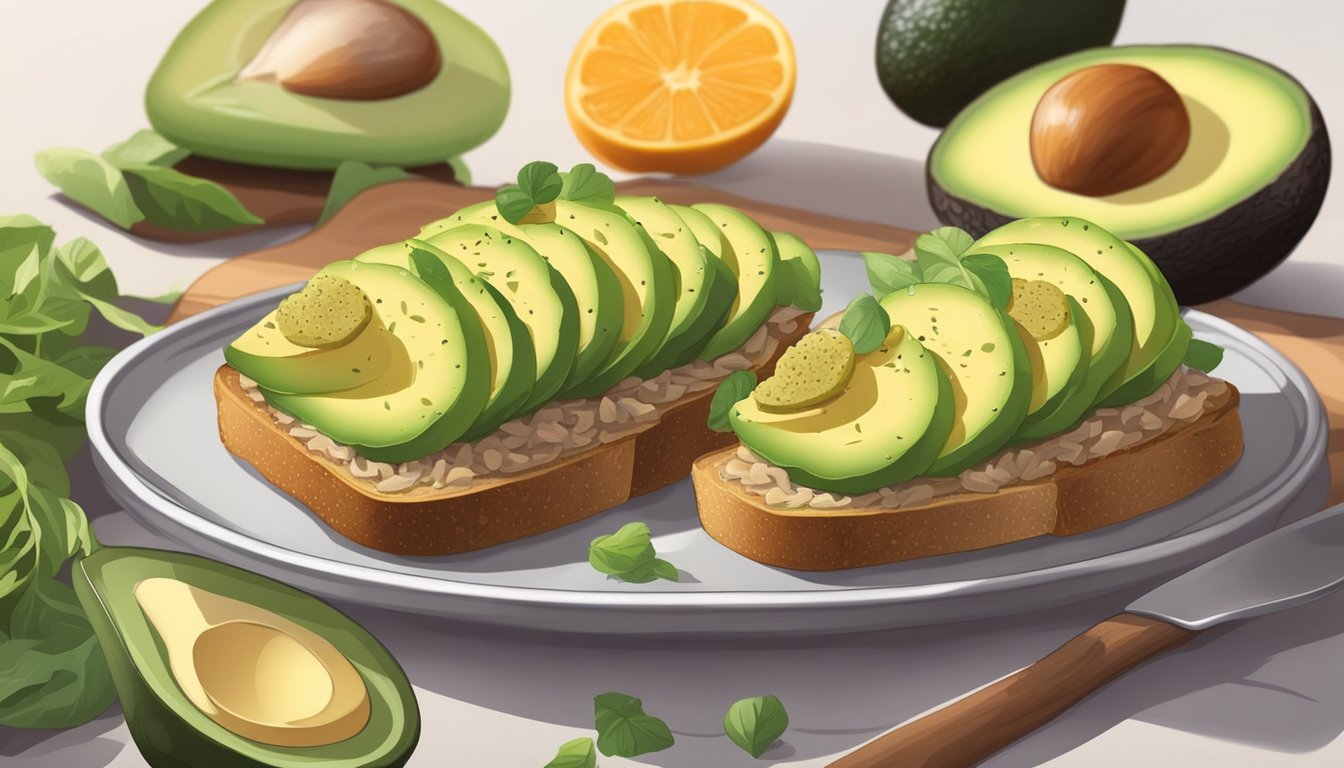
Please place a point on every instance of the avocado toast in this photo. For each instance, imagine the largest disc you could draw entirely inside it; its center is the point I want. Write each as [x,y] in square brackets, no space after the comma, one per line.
[513,368]
[999,390]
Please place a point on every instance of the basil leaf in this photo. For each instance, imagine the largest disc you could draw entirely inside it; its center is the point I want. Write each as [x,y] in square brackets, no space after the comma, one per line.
[85,265]
[627,550]
[92,182]
[945,244]
[585,184]
[730,391]
[578,753]
[145,147]
[665,570]
[172,199]
[993,275]
[624,729]
[29,376]
[754,724]
[865,323]
[1203,356]
[52,671]
[513,203]
[351,178]
[888,273]
[541,181]
[796,286]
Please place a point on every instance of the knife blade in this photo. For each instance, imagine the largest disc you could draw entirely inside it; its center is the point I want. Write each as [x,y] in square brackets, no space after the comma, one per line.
[1290,566]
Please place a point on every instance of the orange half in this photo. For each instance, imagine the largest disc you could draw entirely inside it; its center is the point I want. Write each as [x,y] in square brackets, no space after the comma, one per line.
[685,86]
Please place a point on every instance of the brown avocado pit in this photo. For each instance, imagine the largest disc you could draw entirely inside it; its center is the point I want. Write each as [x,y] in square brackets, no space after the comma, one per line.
[348,49]
[1108,128]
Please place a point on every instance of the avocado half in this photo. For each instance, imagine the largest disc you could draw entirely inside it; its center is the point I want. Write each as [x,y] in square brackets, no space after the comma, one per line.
[217,667]
[198,100]
[1238,201]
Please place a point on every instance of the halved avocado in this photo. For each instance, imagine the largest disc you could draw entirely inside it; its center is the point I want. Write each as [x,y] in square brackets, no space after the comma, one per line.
[983,356]
[750,254]
[513,363]
[888,425]
[219,667]
[438,391]
[703,299]
[596,288]
[198,99]
[1236,203]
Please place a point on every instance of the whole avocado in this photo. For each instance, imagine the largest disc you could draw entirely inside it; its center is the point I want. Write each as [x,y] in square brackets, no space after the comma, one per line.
[935,56]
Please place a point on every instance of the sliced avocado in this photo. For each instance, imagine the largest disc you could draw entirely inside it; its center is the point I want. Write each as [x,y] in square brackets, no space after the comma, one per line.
[1237,202]
[1162,368]
[983,356]
[1057,336]
[205,95]
[513,363]
[219,667]
[438,391]
[887,427]
[1152,305]
[703,298]
[1107,313]
[750,254]
[327,312]
[648,285]
[538,293]
[791,246]
[595,285]
[264,355]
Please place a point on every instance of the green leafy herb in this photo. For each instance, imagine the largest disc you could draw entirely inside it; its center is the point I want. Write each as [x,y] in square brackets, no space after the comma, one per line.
[351,178]
[578,753]
[730,391]
[628,554]
[585,184]
[1203,355]
[174,200]
[942,259]
[796,286]
[624,730]
[92,182]
[866,323]
[538,183]
[52,672]
[145,147]
[754,724]
[992,273]
[888,274]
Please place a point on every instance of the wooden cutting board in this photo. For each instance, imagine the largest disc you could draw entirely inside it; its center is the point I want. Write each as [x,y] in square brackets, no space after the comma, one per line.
[396,211]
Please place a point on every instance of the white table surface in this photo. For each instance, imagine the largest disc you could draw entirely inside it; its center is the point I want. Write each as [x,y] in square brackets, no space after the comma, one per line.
[1266,693]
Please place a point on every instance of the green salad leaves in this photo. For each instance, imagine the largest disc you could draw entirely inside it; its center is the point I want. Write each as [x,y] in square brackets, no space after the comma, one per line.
[52,673]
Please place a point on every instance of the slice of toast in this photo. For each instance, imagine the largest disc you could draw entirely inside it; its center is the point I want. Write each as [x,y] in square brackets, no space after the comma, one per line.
[1073,499]
[494,509]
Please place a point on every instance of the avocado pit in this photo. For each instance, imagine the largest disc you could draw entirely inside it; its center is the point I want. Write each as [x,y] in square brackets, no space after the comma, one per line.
[348,49]
[1108,128]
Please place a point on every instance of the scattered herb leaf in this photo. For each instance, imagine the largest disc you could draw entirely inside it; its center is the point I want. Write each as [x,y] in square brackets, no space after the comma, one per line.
[628,554]
[578,753]
[754,724]
[174,200]
[92,182]
[993,275]
[145,147]
[624,729]
[585,184]
[538,183]
[1203,355]
[351,178]
[888,273]
[865,323]
[730,391]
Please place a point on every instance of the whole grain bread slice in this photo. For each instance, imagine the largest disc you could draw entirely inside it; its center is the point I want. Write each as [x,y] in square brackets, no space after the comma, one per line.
[493,509]
[1074,499]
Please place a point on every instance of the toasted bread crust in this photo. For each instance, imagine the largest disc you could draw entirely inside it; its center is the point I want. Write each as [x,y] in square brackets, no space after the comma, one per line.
[1104,491]
[492,510]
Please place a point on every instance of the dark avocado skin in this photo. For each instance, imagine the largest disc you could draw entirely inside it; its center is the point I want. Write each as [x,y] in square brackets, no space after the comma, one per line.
[935,56]
[1214,258]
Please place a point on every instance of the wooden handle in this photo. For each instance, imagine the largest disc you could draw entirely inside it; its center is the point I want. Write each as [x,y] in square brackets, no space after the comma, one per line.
[967,731]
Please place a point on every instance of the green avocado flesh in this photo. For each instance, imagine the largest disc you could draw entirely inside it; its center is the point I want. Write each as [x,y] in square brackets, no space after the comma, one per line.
[1156,316]
[432,393]
[328,312]
[750,254]
[888,426]
[809,373]
[264,355]
[648,286]
[196,99]
[983,356]
[1248,121]
[790,246]
[704,292]
[513,364]
[217,667]
[539,295]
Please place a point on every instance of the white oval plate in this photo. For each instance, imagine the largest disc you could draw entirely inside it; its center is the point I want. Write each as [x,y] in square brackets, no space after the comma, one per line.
[151,417]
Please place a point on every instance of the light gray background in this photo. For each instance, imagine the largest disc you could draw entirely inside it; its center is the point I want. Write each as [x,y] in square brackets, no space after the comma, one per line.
[1266,693]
